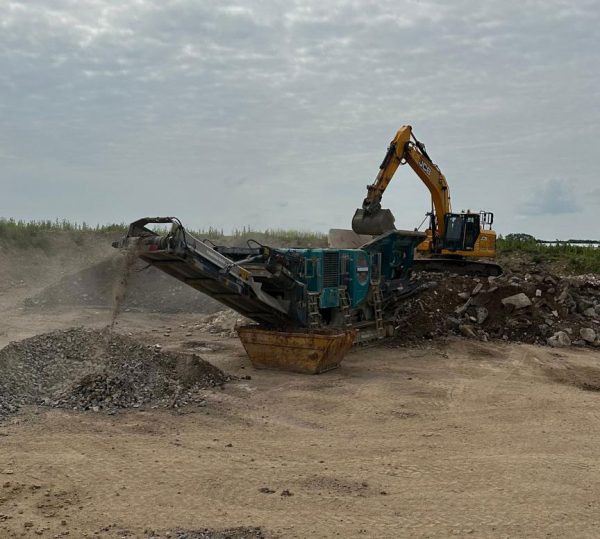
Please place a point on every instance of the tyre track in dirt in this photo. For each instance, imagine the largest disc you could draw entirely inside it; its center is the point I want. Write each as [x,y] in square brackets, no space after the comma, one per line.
[429,442]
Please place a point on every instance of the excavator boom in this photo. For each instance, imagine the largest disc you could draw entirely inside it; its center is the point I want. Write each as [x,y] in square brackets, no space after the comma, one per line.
[404,148]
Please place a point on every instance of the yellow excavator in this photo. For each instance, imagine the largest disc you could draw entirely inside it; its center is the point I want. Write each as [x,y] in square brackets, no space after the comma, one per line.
[454,240]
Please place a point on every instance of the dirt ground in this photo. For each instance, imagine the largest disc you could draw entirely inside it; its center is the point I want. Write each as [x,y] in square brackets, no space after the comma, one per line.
[449,438]
[454,438]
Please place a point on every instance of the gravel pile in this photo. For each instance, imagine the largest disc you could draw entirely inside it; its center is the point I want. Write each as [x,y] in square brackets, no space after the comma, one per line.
[84,369]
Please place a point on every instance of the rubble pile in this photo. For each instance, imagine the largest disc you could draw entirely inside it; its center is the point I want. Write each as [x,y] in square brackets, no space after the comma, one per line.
[84,369]
[535,308]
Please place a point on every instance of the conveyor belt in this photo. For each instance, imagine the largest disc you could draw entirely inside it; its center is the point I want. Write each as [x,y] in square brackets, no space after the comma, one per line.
[200,266]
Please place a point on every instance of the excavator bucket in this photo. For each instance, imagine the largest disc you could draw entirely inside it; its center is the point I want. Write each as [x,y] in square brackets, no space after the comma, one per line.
[373,223]
[307,352]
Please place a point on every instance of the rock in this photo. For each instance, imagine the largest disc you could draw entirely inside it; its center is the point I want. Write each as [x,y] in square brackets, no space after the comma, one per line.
[98,370]
[482,314]
[564,294]
[538,293]
[583,304]
[518,301]
[477,289]
[559,340]
[467,331]
[483,298]
[543,329]
[454,322]
[587,334]
[462,308]
[464,295]
[590,313]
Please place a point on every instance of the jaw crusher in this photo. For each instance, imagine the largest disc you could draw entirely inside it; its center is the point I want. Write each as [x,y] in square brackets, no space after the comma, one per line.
[311,291]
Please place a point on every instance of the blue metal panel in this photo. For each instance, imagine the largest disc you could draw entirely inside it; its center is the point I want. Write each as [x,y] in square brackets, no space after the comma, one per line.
[330,297]
[358,275]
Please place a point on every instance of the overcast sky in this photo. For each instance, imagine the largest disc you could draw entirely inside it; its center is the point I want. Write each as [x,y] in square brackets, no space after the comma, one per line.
[277,113]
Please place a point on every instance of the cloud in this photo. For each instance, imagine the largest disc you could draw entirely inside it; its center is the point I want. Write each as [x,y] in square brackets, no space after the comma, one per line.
[222,111]
[554,197]
[594,195]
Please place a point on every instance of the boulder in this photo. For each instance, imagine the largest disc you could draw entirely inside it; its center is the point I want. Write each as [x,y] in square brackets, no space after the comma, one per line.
[590,313]
[467,331]
[563,295]
[587,334]
[482,314]
[583,304]
[543,329]
[454,322]
[559,340]
[483,298]
[463,308]
[518,301]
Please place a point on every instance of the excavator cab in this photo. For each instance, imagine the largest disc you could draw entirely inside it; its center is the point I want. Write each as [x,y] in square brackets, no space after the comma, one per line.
[462,231]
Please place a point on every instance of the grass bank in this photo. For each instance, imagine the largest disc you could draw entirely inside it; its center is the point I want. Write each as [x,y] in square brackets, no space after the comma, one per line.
[578,258]
[39,234]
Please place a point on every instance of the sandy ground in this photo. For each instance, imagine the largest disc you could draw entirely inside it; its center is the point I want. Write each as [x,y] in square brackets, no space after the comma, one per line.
[454,439]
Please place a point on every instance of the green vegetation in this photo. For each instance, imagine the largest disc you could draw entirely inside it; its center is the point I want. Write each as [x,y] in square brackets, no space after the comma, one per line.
[578,258]
[271,235]
[37,234]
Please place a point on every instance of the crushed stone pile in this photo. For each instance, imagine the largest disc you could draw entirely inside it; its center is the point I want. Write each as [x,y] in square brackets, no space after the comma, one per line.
[85,369]
[148,289]
[536,307]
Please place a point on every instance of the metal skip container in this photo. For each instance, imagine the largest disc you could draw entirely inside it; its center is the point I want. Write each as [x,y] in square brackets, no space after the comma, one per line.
[303,351]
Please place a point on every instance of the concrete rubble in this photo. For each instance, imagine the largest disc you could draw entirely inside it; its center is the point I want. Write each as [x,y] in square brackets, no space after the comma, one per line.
[535,307]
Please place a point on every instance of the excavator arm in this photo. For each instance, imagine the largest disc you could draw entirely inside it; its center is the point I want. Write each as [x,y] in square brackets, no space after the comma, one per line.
[453,239]
[404,148]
